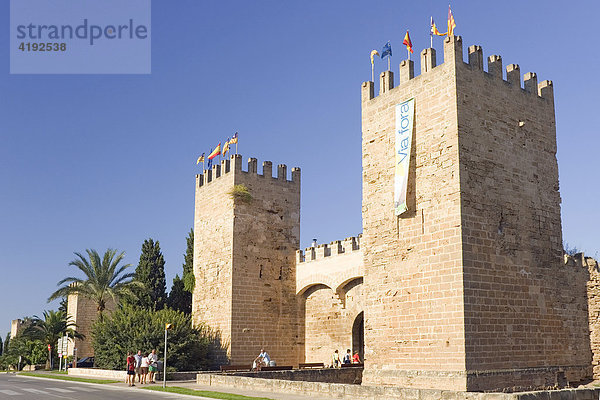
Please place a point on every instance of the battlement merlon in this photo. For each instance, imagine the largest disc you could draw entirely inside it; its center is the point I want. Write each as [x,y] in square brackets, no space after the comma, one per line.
[580,260]
[332,249]
[234,165]
[453,53]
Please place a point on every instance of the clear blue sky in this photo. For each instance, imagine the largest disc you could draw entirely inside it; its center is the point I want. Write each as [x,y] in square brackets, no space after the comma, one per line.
[103,161]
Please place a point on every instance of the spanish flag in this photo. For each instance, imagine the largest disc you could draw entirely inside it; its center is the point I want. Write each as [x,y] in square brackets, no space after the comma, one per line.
[434,29]
[408,43]
[226,147]
[215,152]
[200,159]
[451,23]
[233,140]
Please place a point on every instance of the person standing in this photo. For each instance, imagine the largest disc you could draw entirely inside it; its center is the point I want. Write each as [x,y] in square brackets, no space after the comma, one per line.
[144,367]
[347,357]
[153,364]
[335,359]
[130,369]
[138,365]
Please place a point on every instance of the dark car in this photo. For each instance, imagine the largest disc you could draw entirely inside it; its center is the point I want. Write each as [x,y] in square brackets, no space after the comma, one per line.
[86,362]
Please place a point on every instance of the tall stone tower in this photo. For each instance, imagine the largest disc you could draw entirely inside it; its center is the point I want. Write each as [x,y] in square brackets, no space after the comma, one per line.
[467,289]
[244,259]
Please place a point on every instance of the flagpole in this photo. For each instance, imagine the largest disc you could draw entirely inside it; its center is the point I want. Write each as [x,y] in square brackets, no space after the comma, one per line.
[431,39]
[389,62]
[408,51]
[372,72]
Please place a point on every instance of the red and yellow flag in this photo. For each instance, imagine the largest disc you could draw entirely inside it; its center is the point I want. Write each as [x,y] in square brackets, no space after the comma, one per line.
[215,152]
[226,147]
[451,23]
[434,29]
[408,43]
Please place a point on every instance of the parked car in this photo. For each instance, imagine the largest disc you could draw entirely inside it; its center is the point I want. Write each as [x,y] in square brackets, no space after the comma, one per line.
[85,362]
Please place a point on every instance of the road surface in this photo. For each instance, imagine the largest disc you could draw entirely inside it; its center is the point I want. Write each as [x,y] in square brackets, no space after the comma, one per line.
[14,387]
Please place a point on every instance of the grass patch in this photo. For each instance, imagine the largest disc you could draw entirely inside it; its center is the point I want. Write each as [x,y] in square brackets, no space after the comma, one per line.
[204,393]
[64,377]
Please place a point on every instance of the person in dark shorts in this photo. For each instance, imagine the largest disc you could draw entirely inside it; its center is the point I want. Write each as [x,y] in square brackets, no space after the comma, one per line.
[130,369]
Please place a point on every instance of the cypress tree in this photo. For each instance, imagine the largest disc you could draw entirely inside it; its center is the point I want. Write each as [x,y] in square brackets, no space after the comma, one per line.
[1,348]
[150,272]
[179,298]
[188,265]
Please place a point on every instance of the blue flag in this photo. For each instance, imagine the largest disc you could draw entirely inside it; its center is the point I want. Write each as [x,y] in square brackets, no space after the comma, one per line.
[387,50]
[209,164]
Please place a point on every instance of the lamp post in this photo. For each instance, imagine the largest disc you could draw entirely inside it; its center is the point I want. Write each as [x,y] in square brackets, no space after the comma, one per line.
[167,327]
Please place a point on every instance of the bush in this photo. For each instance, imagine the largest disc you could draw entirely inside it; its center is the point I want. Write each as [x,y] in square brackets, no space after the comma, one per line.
[240,193]
[132,329]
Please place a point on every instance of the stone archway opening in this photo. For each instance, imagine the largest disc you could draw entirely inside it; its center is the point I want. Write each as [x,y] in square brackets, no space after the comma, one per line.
[358,336]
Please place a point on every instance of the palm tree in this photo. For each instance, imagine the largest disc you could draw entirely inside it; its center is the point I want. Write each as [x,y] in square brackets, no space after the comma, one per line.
[53,326]
[104,279]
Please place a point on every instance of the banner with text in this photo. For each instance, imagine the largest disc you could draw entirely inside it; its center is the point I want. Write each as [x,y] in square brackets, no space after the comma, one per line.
[405,114]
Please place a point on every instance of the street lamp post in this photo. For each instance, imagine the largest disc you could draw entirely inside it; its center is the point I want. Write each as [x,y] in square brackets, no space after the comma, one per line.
[167,327]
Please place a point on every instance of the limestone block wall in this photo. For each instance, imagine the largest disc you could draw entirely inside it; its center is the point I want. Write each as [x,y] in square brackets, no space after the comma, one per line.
[83,312]
[244,259]
[467,290]
[15,327]
[213,256]
[414,313]
[523,308]
[329,282]
[593,293]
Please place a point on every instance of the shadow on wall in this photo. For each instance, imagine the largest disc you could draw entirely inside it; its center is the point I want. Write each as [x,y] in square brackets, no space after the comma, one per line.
[217,349]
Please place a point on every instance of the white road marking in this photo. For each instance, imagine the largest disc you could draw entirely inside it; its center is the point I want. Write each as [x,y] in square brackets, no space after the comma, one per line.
[83,389]
[30,390]
[61,390]
[10,392]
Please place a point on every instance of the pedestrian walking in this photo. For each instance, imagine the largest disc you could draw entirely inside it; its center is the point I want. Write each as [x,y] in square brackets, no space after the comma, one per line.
[153,364]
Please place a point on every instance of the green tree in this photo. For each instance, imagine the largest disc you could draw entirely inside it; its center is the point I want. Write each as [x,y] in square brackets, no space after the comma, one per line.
[132,328]
[31,351]
[48,330]
[1,347]
[180,299]
[188,265]
[150,272]
[6,342]
[104,279]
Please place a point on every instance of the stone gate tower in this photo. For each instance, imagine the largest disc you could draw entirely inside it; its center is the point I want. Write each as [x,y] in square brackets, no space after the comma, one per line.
[467,289]
[244,259]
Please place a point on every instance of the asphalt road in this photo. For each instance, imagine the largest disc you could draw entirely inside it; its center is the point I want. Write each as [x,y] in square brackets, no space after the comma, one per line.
[15,387]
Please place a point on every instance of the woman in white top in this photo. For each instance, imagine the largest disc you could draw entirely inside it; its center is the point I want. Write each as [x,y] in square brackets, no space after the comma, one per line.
[144,366]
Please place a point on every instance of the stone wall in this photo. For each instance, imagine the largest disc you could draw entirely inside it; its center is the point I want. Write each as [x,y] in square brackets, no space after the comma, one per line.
[83,312]
[470,279]
[244,259]
[414,325]
[351,392]
[16,326]
[329,281]
[593,291]
[523,308]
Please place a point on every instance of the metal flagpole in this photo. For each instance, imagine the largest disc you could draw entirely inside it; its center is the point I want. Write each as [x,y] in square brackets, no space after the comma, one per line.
[389,62]
[372,72]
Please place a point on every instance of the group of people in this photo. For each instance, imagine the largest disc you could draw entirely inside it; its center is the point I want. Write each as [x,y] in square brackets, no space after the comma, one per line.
[142,365]
[348,359]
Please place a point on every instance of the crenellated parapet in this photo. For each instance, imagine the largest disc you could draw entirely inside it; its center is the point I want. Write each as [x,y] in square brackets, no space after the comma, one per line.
[453,54]
[332,249]
[580,260]
[234,164]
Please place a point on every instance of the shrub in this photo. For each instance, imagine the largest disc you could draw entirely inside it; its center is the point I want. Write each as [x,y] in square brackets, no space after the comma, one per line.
[240,193]
[132,329]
